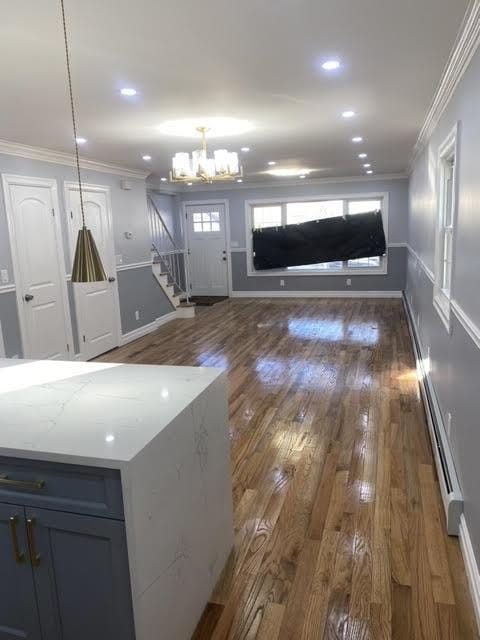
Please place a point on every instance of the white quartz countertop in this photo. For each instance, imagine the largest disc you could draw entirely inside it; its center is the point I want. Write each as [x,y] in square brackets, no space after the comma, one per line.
[96,414]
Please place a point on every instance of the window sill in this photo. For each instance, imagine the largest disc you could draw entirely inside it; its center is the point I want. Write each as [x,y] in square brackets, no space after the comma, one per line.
[442,306]
[375,271]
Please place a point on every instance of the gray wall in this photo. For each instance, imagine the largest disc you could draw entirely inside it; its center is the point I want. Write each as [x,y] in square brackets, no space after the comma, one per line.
[129,214]
[455,358]
[397,234]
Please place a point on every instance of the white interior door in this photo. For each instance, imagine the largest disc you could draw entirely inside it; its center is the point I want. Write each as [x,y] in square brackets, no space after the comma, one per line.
[96,303]
[39,267]
[207,243]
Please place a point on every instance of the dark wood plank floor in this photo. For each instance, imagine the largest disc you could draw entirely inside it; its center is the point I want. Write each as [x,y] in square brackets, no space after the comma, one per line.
[339,527]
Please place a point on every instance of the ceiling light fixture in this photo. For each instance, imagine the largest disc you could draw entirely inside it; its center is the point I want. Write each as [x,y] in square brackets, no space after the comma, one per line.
[239,180]
[189,184]
[200,168]
[272,163]
[331,65]
[369,171]
[289,172]
[163,179]
[87,264]
[348,114]
[128,91]
[80,140]
[367,165]
[362,155]
[357,139]
[302,177]
[245,149]
[147,158]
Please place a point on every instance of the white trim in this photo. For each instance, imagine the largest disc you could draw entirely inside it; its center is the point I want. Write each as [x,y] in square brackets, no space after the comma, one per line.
[471,566]
[460,57]
[225,202]
[467,323]
[316,294]
[396,245]
[428,272]
[2,344]
[66,159]
[7,288]
[69,186]
[376,195]
[147,328]
[282,183]
[8,180]
[237,249]
[134,265]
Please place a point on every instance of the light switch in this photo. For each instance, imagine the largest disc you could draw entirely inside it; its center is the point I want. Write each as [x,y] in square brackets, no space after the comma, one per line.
[4,276]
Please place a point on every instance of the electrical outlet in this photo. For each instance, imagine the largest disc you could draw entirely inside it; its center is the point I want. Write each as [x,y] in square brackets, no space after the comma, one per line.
[4,276]
[137,315]
[282,283]
[448,426]
[349,282]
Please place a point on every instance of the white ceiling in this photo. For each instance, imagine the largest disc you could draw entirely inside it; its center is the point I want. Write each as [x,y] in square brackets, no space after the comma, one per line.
[257,60]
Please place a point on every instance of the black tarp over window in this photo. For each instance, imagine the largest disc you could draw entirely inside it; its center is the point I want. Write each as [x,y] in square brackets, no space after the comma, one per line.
[355,236]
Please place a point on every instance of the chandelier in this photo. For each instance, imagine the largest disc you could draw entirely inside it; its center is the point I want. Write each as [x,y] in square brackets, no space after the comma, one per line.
[200,168]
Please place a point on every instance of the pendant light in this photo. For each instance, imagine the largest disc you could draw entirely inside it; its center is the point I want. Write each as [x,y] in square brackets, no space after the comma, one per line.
[87,264]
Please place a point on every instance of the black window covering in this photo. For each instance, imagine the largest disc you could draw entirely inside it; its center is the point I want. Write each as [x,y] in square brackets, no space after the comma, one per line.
[342,238]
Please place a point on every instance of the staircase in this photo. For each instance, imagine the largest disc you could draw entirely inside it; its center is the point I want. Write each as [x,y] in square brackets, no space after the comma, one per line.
[169,263]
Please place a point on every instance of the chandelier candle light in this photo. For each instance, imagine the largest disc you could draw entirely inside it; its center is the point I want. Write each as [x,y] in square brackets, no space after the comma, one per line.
[200,168]
[87,264]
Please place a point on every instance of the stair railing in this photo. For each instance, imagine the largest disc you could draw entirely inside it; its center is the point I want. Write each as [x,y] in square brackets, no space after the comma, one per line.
[166,250]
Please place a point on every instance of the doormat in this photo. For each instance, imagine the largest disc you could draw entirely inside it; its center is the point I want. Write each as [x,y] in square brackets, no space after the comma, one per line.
[207,301]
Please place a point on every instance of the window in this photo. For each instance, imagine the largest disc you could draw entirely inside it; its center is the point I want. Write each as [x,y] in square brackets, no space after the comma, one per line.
[286,213]
[445,228]
[206,222]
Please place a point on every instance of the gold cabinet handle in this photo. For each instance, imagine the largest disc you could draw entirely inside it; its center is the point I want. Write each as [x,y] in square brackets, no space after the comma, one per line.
[34,485]
[18,555]
[34,556]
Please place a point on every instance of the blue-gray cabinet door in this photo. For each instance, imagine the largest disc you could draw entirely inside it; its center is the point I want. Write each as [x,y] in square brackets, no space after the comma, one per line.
[18,604]
[81,576]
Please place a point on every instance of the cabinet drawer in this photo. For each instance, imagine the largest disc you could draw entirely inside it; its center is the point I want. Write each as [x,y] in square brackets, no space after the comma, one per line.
[61,487]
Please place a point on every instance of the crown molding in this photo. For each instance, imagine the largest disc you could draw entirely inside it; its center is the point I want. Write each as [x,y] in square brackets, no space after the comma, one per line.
[465,46]
[68,159]
[279,183]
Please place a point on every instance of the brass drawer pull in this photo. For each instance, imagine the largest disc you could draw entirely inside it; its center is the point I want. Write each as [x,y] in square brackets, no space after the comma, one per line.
[34,485]
[34,556]
[19,555]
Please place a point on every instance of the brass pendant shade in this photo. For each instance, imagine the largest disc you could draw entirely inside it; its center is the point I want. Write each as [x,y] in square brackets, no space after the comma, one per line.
[87,265]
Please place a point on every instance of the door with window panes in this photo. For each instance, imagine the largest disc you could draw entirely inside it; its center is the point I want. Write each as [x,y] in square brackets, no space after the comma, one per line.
[207,245]
[286,213]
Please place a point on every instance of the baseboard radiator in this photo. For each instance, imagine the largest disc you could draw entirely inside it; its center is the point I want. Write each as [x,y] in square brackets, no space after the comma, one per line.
[449,486]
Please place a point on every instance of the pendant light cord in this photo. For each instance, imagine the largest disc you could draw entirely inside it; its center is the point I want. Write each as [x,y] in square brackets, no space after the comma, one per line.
[72,106]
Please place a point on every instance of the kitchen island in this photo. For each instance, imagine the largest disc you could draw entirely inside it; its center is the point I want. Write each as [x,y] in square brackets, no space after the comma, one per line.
[115,499]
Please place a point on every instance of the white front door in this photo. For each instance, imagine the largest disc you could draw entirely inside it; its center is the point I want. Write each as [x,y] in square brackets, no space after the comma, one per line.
[207,243]
[32,212]
[96,303]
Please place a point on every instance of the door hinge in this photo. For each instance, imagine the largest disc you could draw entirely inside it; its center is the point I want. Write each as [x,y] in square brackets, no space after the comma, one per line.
[68,347]
[53,212]
[84,339]
[191,286]
[71,215]
[186,216]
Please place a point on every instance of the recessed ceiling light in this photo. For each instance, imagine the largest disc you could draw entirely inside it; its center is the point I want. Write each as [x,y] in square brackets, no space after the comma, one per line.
[272,163]
[147,158]
[357,139]
[189,184]
[331,65]
[362,155]
[302,177]
[81,140]
[245,149]
[348,114]
[367,165]
[163,179]
[239,180]
[289,172]
[109,438]
[128,91]
[369,171]
[216,127]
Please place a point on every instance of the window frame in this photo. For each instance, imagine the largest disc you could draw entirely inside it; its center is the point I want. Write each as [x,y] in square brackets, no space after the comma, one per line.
[442,299]
[346,197]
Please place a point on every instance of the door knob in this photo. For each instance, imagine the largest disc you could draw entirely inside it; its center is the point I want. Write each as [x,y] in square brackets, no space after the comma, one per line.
[111,279]
[224,258]
[28,297]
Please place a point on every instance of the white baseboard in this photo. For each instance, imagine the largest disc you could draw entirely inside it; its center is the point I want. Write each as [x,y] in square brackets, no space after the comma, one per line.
[471,566]
[316,294]
[147,328]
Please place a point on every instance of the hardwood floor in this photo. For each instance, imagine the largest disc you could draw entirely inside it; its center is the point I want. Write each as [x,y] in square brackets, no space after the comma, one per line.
[339,527]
